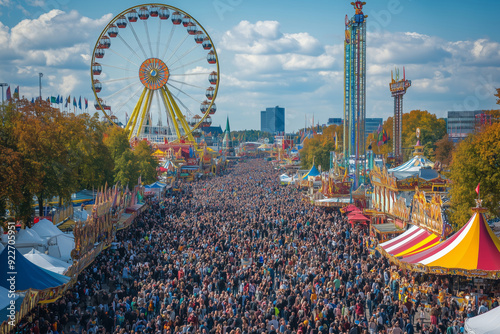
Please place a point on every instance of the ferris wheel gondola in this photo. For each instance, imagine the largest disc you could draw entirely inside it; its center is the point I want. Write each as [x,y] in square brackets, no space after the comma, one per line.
[157,67]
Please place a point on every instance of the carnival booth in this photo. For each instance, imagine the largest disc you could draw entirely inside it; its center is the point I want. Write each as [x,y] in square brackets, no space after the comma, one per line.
[486,323]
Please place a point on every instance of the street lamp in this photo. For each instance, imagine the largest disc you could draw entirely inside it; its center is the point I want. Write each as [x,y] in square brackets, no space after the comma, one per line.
[3,84]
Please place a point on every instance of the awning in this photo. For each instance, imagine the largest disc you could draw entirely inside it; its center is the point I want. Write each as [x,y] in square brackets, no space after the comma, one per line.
[414,240]
[359,217]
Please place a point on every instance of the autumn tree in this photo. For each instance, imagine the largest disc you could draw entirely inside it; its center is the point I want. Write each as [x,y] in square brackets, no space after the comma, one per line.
[444,150]
[318,148]
[432,129]
[476,160]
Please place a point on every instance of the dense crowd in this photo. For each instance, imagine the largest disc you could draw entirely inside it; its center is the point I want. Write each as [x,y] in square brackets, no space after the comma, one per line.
[240,254]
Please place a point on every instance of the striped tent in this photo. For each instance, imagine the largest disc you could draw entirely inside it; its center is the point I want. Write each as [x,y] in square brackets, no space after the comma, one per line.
[473,250]
[414,240]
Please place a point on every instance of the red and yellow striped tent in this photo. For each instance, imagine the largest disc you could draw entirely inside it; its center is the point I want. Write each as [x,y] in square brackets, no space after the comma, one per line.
[473,251]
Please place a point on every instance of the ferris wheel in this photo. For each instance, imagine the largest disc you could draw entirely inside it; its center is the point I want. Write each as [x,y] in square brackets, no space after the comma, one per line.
[155,71]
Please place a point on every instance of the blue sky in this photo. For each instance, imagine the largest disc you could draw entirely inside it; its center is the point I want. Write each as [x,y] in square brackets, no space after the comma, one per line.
[285,53]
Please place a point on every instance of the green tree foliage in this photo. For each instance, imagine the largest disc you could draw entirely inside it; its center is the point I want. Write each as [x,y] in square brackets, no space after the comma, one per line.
[127,169]
[146,162]
[129,164]
[476,160]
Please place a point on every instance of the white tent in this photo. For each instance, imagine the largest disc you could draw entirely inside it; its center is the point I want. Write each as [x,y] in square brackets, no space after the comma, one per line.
[26,238]
[486,323]
[61,246]
[47,262]
[46,229]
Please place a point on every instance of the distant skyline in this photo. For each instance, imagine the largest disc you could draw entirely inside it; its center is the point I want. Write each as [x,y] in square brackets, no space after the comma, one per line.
[285,53]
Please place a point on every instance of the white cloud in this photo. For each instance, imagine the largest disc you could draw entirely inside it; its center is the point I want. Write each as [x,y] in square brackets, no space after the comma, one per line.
[265,37]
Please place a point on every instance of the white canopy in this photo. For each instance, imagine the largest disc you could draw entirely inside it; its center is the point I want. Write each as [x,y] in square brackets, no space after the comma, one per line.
[46,229]
[28,238]
[61,246]
[47,262]
[486,323]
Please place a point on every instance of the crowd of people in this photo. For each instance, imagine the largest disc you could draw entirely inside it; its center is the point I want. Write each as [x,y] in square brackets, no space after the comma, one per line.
[240,254]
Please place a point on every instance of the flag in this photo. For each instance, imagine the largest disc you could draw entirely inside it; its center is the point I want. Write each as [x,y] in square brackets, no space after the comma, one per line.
[16,92]
[86,104]
[53,99]
[385,137]
[336,142]
[477,188]
[74,102]
[32,100]
[59,99]
[66,104]
[80,103]
[8,93]
[48,99]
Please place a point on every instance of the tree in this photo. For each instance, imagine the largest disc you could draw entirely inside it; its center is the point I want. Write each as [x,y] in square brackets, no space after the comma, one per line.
[432,129]
[318,148]
[146,162]
[127,169]
[444,150]
[476,160]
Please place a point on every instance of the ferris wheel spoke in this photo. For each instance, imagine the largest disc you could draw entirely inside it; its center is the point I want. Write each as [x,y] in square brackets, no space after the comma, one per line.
[129,47]
[120,106]
[120,79]
[185,54]
[158,40]
[191,62]
[147,35]
[120,91]
[117,67]
[185,83]
[137,39]
[187,74]
[125,58]
[168,41]
[177,47]
[183,92]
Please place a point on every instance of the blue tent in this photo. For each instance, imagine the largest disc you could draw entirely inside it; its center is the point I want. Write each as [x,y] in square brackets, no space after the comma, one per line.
[156,185]
[26,274]
[312,172]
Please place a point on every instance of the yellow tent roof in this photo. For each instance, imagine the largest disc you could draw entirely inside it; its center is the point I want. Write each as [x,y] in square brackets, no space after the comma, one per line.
[158,152]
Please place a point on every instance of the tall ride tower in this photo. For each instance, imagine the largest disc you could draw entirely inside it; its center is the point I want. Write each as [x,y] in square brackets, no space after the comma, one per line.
[355,88]
[398,89]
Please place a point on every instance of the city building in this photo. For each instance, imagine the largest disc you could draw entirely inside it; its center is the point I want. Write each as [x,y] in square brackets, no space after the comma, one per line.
[272,120]
[372,124]
[335,121]
[461,123]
